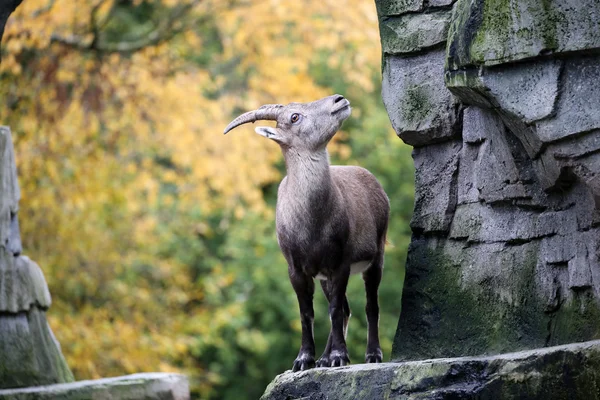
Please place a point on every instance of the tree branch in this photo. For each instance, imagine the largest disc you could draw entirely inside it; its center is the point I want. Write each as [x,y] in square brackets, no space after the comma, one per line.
[163,32]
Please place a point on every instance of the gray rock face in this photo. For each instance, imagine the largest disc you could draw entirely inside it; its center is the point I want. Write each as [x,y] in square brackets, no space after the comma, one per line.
[414,32]
[421,108]
[149,386]
[29,353]
[493,32]
[562,372]
[436,173]
[506,225]
[22,284]
[9,200]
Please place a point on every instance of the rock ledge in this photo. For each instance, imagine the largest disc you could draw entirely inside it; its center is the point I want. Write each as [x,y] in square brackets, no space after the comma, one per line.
[570,371]
[148,386]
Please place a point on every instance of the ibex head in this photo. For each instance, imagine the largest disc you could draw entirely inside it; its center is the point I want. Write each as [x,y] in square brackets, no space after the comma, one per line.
[299,125]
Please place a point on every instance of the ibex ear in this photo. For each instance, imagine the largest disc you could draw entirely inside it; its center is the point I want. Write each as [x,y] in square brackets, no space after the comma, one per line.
[269,133]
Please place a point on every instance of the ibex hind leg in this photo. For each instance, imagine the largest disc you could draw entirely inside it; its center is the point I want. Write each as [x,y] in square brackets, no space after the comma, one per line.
[372,278]
[324,360]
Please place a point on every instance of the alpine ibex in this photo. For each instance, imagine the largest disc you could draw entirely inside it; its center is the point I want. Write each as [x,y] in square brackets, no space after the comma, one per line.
[331,222]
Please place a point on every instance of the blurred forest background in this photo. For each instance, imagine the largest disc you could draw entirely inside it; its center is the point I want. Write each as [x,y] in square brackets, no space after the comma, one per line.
[155,231]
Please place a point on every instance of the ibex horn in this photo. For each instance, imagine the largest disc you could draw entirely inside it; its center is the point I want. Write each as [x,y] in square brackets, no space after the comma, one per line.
[268,112]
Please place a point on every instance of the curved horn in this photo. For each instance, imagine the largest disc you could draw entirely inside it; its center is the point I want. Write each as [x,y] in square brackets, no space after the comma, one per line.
[268,112]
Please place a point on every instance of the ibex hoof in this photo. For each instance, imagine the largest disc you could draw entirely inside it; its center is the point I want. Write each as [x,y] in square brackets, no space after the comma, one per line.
[323,361]
[338,359]
[374,357]
[303,362]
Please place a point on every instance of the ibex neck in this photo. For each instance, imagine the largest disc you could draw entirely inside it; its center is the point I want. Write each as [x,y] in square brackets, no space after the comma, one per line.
[308,175]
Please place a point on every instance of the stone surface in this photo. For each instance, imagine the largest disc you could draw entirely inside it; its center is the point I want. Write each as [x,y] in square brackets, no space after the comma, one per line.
[578,107]
[528,91]
[10,193]
[148,386]
[414,32]
[569,372]
[440,3]
[29,353]
[507,207]
[491,32]
[386,8]
[22,284]
[421,108]
[435,180]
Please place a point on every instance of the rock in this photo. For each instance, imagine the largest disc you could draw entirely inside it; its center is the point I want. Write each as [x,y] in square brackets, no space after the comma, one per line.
[148,386]
[476,124]
[492,32]
[578,107]
[577,146]
[9,188]
[14,245]
[506,229]
[421,109]
[386,8]
[497,174]
[468,191]
[22,284]
[440,3]
[528,91]
[569,371]
[580,275]
[435,186]
[413,32]
[29,353]
[486,90]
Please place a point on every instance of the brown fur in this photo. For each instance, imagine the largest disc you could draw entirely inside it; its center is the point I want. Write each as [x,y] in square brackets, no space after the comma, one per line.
[330,220]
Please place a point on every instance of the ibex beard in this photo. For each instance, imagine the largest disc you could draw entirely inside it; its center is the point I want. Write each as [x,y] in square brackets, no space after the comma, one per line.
[331,222]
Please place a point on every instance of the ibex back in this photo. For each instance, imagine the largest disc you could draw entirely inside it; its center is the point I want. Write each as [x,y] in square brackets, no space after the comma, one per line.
[331,222]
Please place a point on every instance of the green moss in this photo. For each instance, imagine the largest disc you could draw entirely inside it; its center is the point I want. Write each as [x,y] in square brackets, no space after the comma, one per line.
[416,105]
[464,24]
[443,317]
[446,314]
[494,35]
[576,320]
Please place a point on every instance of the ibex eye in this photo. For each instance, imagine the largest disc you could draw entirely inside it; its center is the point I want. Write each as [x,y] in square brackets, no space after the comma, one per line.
[295,118]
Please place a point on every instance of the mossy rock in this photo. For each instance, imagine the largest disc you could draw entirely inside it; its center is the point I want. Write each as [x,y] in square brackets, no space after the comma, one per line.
[492,32]
[561,372]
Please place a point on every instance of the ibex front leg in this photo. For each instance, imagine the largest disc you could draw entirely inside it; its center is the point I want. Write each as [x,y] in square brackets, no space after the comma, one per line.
[337,313]
[324,361]
[305,288]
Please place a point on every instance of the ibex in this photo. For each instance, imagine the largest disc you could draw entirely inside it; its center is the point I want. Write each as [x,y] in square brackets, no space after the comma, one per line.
[331,222]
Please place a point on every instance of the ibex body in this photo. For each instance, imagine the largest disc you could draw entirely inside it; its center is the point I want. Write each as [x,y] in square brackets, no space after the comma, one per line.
[331,222]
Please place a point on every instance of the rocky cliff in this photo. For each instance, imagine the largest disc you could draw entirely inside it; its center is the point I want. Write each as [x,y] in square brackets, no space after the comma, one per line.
[501,101]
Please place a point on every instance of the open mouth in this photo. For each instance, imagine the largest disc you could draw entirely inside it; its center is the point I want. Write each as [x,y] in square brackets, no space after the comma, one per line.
[341,105]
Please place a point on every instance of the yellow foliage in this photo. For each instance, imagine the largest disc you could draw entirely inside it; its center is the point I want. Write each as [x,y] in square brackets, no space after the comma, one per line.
[92,133]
